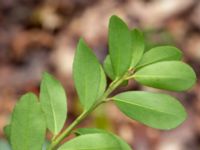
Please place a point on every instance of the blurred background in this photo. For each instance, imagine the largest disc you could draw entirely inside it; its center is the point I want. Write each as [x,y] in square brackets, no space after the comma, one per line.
[41,35]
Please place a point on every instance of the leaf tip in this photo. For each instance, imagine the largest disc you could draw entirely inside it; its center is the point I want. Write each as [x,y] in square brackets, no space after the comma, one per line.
[45,75]
[29,94]
[81,40]
[82,44]
[116,19]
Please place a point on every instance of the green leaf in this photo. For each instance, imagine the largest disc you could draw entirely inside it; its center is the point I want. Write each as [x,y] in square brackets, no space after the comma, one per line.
[138,46]
[168,75]
[102,83]
[89,78]
[95,141]
[120,46]
[7,131]
[83,131]
[54,103]
[155,110]
[160,53]
[108,68]
[28,125]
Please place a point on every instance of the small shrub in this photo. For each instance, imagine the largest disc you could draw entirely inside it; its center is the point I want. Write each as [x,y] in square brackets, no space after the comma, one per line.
[160,67]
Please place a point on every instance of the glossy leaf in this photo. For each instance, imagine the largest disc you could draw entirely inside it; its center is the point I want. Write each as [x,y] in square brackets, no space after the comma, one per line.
[168,75]
[83,131]
[89,78]
[160,53]
[28,125]
[102,83]
[120,47]
[155,110]
[137,46]
[54,103]
[96,141]
[108,68]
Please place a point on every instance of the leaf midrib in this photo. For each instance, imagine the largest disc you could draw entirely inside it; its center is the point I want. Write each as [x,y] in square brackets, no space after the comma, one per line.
[53,112]
[167,58]
[27,141]
[158,111]
[164,77]
[28,126]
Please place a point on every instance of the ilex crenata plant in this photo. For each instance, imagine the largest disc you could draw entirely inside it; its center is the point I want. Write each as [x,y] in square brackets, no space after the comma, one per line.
[160,67]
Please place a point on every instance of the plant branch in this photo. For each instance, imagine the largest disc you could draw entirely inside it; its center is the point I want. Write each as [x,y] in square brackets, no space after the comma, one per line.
[130,77]
[67,131]
[83,115]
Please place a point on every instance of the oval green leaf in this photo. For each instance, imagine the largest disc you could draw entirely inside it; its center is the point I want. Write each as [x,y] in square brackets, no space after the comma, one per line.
[28,125]
[120,45]
[159,111]
[83,131]
[168,75]
[138,46]
[160,53]
[95,141]
[102,83]
[108,68]
[54,103]
[89,77]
